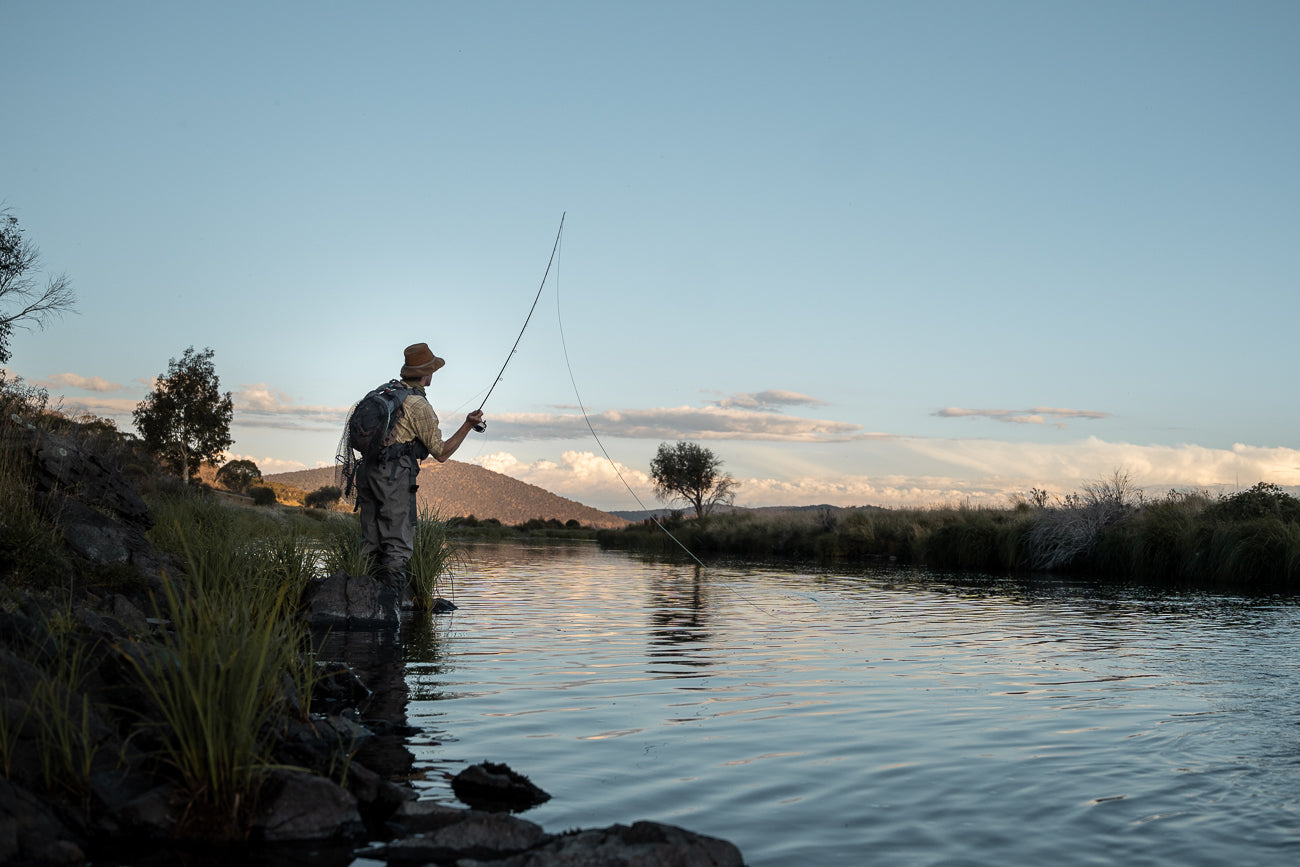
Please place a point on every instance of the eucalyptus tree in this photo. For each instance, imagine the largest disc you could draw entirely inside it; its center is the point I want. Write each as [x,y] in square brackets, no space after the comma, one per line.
[23,301]
[687,472]
[185,420]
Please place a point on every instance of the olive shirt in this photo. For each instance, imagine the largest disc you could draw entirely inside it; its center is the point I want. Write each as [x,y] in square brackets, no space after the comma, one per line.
[418,421]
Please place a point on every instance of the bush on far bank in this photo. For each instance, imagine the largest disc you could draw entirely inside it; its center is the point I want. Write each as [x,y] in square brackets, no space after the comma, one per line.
[1249,540]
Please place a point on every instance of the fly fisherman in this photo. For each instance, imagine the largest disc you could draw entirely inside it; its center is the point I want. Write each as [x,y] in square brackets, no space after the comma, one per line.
[386,489]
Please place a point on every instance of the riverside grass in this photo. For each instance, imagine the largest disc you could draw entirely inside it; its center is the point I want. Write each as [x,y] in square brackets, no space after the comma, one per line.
[1248,541]
[231,660]
[433,559]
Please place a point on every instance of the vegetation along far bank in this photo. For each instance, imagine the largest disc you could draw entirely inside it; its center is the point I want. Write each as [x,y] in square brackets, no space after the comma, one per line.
[1248,540]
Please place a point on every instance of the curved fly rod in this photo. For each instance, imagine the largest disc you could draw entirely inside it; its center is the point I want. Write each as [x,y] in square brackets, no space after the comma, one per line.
[482,426]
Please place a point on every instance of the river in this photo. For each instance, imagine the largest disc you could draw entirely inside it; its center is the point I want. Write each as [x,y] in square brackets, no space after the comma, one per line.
[890,717]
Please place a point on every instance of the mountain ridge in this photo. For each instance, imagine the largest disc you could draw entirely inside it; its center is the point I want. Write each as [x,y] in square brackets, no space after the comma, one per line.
[457,489]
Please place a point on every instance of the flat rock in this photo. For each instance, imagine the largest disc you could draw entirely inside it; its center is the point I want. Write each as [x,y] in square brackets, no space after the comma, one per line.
[481,836]
[350,602]
[642,844]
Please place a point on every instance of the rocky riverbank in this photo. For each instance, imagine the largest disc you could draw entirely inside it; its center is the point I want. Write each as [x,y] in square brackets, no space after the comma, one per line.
[89,771]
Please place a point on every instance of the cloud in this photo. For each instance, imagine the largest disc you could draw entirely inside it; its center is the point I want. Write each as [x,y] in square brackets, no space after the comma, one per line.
[945,472]
[583,476]
[704,423]
[119,409]
[1068,466]
[261,406]
[766,400]
[1033,415]
[85,383]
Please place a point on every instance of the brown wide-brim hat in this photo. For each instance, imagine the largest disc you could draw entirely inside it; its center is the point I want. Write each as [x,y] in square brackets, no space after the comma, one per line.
[420,361]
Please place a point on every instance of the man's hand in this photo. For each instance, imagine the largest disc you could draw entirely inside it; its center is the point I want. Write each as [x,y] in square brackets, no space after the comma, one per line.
[474,419]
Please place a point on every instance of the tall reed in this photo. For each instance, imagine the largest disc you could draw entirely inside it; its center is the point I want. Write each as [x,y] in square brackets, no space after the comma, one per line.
[432,561]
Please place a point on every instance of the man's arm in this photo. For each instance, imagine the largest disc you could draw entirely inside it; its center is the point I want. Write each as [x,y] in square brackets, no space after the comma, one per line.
[453,442]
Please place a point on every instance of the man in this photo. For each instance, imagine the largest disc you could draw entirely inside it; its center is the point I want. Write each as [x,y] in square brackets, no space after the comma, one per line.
[386,490]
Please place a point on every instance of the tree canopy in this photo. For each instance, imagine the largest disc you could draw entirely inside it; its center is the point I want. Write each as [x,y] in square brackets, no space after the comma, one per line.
[23,303]
[185,420]
[237,475]
[690,473]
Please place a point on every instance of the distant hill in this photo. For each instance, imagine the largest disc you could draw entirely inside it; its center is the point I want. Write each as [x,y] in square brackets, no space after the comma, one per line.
[456,489]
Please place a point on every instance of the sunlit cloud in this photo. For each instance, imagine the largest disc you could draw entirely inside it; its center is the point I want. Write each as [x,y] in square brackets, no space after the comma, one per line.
[261,406]
[118,409]
[1034,415]
[952,472]
[766,400]
[1067,466]
[582,476]
[84,383]
[670,423]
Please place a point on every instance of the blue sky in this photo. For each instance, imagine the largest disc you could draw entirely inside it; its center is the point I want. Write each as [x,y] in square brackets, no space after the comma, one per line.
[889,253]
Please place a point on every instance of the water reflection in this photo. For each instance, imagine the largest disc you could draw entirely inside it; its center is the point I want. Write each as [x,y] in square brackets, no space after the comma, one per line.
[678,608]
[813,716]
[376,658]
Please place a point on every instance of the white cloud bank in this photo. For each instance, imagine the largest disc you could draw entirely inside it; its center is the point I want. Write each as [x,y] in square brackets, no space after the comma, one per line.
[978,472]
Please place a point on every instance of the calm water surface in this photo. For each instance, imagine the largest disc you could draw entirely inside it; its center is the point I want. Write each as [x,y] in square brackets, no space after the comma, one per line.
[888,718]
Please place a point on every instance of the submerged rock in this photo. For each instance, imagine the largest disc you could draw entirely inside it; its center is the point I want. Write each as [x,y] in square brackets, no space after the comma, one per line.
[642,844]
[497,788]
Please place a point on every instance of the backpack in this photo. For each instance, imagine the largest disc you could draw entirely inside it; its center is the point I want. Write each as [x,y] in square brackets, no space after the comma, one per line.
[374,416]
[367,431]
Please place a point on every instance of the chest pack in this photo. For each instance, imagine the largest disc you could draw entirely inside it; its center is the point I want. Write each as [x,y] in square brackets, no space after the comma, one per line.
[373,418]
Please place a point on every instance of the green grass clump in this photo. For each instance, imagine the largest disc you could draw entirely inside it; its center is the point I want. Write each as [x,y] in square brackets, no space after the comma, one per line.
[215,681]
[341,549]
[432,560]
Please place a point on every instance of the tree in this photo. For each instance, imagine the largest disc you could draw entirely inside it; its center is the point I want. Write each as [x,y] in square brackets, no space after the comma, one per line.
[238,475]
[690,473]
[323,497]
[185,420]
[19,263]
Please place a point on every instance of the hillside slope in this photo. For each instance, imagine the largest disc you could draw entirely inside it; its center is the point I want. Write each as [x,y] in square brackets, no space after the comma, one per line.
[456,489]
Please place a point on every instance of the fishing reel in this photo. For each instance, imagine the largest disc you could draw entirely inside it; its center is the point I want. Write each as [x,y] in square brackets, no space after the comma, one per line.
[481,426]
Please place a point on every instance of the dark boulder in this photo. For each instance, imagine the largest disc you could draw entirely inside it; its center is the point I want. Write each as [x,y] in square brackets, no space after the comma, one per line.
[31,832]
[299,806]
[496,788]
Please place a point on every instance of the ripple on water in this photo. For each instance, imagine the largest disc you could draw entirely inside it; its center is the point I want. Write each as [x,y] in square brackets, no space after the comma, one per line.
[824,718]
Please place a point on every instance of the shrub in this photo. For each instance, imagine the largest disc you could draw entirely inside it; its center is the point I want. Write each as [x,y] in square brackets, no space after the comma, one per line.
[238,475]
[323,497]
[1261,500]
[262,495]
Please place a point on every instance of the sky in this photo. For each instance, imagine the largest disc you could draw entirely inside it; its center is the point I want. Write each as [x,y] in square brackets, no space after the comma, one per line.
[868,253]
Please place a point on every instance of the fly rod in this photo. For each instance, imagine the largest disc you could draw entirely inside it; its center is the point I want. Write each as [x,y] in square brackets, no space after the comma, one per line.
[482,426]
